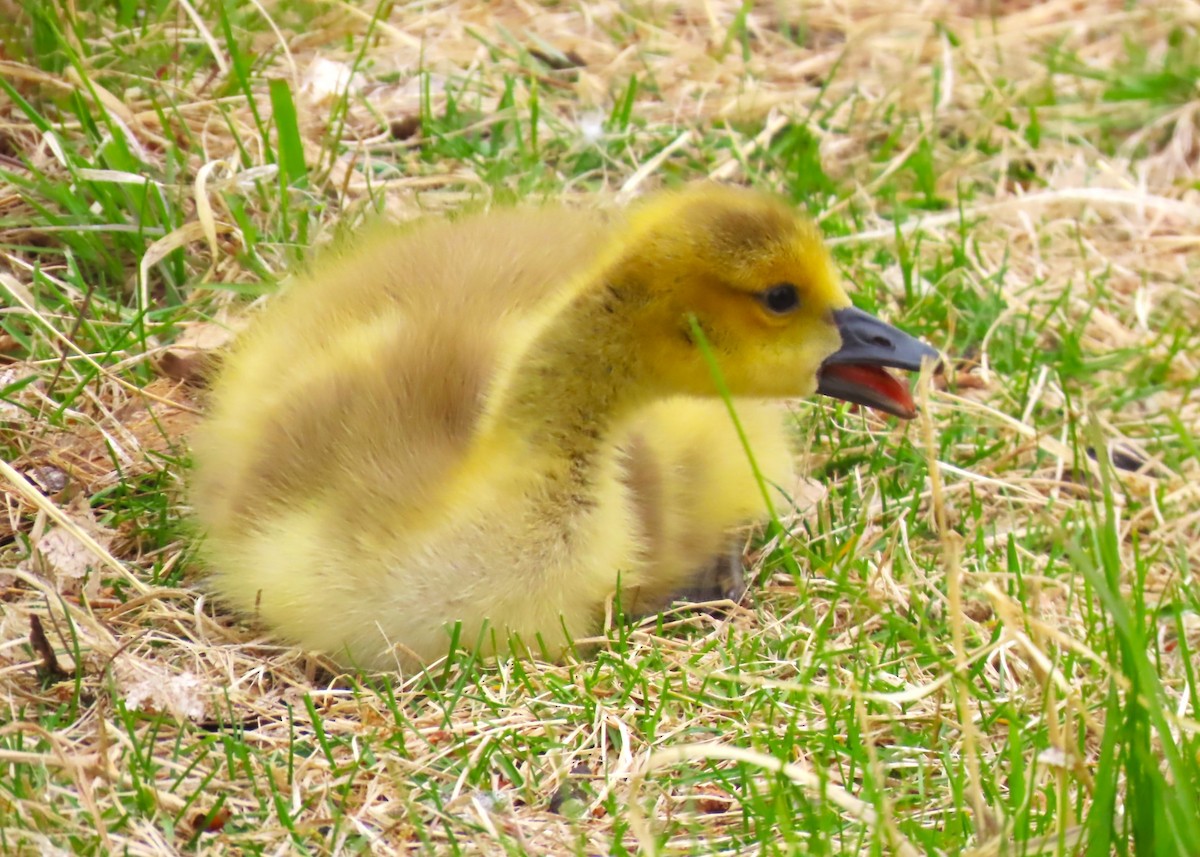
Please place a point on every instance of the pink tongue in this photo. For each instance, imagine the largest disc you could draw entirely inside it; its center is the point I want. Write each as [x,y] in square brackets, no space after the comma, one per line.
[879,382]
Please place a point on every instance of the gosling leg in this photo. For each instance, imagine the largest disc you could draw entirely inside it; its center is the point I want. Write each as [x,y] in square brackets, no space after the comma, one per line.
[719,580]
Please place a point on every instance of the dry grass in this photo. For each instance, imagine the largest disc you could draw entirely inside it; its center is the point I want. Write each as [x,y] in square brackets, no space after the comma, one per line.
[945,674]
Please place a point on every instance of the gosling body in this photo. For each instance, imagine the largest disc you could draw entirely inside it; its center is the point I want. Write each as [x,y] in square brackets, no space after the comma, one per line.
[497,423]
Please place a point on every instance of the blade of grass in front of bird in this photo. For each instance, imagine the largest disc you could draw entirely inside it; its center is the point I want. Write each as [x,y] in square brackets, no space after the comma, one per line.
[776,528]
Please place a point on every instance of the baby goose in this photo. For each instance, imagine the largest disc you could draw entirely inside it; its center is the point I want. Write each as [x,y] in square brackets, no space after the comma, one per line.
[496,423]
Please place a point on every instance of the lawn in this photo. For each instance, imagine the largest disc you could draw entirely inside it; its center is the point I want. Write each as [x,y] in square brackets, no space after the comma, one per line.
[978,635]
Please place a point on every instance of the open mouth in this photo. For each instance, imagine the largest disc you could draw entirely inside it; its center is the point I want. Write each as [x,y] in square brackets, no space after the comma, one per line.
[858,371]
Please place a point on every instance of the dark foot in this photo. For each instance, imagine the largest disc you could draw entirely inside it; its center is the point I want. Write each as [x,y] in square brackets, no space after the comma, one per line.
[719,580]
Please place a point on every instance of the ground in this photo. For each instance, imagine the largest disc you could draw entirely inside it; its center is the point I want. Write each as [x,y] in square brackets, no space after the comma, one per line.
[979,640]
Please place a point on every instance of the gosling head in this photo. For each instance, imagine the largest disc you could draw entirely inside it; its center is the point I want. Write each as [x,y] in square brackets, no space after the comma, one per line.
[760,284]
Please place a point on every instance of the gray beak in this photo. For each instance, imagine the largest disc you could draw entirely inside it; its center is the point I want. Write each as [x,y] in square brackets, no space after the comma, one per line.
[857,371]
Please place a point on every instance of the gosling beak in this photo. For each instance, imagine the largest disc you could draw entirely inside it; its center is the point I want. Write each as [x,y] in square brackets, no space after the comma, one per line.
[856,372]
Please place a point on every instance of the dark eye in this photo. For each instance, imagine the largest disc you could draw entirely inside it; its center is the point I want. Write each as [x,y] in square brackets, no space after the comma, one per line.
[780,299]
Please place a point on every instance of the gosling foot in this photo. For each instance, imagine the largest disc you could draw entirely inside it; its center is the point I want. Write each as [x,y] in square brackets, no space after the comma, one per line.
[720,580]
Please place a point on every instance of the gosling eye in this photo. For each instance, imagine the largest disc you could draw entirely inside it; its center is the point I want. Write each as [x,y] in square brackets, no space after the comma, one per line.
[780,299]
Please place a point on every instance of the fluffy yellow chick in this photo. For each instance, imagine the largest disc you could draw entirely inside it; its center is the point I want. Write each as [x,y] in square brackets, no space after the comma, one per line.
[497,422]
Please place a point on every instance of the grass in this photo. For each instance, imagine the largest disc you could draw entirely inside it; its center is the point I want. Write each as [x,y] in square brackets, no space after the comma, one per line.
[990,647]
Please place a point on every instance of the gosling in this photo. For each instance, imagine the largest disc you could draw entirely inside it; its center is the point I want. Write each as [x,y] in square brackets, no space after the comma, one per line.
[489,429]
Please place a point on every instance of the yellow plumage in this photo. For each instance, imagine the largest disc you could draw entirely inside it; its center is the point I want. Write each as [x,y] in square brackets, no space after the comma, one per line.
[492,421]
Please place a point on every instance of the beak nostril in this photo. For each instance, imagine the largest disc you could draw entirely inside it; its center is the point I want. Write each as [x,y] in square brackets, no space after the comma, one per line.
[882,342]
